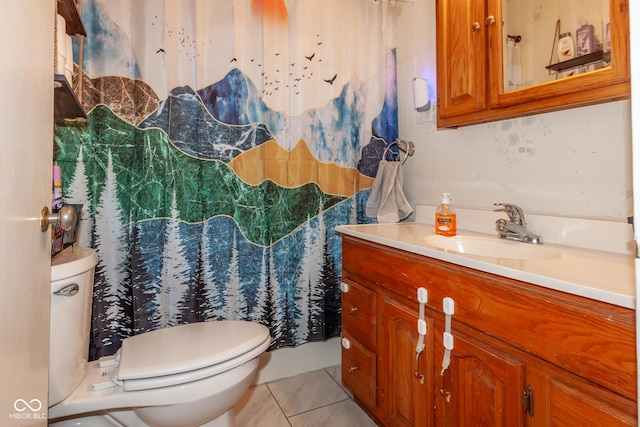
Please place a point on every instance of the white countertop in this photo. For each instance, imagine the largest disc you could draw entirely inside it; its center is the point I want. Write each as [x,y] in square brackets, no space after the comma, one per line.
[603,276]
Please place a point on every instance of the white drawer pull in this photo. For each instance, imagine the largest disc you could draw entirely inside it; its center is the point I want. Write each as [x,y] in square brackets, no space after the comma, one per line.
[346,344]
[448,306]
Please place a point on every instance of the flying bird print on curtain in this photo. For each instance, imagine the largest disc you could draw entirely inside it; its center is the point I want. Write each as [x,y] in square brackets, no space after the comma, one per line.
[224,142]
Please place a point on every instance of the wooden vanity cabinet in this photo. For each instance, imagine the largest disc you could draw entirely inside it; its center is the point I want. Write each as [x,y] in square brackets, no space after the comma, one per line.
[470,72]
[523,355]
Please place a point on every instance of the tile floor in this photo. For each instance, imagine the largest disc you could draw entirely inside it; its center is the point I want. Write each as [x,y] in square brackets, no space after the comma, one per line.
[312,399]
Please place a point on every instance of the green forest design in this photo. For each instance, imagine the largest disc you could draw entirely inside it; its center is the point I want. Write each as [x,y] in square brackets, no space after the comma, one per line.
[148,168]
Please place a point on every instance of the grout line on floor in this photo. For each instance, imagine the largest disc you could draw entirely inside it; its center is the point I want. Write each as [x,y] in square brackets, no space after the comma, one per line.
[319,407]
[278,403]
[339,383]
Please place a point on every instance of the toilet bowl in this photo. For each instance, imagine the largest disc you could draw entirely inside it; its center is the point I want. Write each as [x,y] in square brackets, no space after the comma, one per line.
[187,375]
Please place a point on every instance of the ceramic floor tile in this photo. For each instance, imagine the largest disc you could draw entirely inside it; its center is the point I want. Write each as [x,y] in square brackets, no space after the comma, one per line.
[335,372]
[306,391]
[345,413]
[259,408]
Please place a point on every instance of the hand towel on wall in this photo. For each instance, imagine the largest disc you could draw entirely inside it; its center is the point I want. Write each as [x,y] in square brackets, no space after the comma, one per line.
[386,201]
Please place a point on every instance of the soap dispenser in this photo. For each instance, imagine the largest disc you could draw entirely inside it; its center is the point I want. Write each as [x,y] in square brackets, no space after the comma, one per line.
[445,217]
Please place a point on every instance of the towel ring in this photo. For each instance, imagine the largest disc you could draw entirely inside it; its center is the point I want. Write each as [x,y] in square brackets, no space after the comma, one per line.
[406,146]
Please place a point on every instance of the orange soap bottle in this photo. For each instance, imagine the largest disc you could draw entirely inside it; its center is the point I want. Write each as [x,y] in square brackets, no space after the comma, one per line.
[445,217]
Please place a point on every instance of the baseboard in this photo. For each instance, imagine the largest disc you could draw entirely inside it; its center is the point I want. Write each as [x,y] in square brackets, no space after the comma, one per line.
[290,361]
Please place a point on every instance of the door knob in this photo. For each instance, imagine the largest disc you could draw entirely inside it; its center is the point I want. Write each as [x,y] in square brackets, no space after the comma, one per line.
[66,218]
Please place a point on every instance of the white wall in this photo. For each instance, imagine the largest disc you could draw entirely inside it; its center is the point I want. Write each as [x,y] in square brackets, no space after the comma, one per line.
[571,163]
[290,361]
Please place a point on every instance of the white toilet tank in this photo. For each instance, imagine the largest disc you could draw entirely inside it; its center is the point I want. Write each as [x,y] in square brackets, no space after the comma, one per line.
[72,273]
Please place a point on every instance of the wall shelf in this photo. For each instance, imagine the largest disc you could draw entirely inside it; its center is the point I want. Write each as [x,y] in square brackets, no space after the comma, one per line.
[69,10]
[65,102]
[589,58]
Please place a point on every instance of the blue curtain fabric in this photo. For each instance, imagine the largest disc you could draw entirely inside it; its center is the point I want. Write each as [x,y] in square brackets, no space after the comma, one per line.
[224,142]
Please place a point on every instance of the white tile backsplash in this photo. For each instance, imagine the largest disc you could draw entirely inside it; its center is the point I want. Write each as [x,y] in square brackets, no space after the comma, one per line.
[584,233]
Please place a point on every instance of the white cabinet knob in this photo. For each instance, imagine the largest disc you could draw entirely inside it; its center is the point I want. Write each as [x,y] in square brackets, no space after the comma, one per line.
[346,344]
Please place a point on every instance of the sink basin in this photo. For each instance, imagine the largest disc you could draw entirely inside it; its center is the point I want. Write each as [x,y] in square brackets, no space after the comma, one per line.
[492,247]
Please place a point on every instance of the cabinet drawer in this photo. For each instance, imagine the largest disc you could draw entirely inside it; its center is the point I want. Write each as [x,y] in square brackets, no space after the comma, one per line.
[359,312]
[359,371]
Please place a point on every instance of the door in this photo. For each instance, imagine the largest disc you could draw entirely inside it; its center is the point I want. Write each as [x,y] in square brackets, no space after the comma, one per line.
[26,147]
[406,381]
[481,387]
[634,16]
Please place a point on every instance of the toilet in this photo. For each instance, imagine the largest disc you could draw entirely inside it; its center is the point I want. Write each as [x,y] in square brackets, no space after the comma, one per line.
[183,376]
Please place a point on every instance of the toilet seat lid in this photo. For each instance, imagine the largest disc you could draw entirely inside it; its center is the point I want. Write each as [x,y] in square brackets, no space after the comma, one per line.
[188,347]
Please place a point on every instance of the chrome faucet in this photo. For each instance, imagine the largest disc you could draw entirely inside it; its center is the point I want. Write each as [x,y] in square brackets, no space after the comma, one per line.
[516,227]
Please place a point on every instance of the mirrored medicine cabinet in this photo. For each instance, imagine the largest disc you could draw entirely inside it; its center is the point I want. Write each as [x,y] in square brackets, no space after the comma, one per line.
[500,59]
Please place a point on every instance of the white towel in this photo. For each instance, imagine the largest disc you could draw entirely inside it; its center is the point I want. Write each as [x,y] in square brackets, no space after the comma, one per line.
[386,201]
[513,66]
[516,66]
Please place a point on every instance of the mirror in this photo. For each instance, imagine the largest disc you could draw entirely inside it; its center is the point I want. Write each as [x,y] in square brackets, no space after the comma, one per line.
[547,40]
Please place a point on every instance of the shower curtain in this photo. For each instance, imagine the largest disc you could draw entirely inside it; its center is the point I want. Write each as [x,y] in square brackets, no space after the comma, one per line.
[224,142]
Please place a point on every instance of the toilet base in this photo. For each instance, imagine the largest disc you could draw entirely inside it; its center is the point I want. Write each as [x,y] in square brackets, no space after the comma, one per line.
[228,419]
[97,420]
[224,392]
[225,420]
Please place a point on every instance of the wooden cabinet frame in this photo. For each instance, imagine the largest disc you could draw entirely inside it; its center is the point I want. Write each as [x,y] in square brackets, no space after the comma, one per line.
[470,72]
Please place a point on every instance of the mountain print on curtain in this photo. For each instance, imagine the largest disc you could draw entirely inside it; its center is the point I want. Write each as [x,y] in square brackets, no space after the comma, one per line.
[208,204]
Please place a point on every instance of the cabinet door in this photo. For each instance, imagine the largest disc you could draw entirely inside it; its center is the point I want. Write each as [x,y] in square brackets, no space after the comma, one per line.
[461,49]
[481,387]
[406,381]
[570,406]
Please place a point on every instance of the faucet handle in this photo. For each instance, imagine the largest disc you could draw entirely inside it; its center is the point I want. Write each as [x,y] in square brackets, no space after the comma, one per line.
[515,213]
